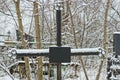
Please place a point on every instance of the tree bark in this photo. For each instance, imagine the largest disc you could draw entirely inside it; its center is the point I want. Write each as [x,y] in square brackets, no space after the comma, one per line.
[38,38]
[17,4]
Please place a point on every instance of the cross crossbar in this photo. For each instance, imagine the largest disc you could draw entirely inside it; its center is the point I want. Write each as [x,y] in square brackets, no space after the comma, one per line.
[45,52]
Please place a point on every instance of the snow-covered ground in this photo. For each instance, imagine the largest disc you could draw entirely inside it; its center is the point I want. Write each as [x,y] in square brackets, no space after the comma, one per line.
[68,75]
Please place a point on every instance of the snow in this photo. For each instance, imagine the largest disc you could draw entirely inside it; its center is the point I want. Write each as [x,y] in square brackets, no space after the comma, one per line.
[84,50]
[7,78]
[69,72]
[116,32]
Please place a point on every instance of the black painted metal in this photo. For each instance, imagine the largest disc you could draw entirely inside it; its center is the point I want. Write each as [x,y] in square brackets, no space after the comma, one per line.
[32,54]
[116,43]
[58,21]
[59,55]
[85,53]
[47,54]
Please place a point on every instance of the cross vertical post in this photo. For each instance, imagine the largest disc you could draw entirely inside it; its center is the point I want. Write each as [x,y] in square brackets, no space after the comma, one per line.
[58,21]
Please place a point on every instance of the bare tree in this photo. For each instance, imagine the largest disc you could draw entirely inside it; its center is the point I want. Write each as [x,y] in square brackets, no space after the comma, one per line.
[17,5]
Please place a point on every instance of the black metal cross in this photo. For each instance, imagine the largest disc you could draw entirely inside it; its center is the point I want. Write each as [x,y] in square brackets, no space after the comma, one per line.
[58,54]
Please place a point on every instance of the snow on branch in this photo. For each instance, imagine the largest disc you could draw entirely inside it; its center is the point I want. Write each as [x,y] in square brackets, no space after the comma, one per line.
[6,70]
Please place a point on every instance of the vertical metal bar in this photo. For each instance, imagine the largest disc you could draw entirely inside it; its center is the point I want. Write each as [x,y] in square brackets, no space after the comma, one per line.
[59,71]
[58,21]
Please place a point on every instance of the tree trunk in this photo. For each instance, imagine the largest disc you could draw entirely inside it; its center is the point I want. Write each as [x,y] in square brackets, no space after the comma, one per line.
[17,4]
[38,38]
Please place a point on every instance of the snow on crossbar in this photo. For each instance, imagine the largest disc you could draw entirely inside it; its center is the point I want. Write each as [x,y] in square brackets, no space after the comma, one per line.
[45,52]
[87,51]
